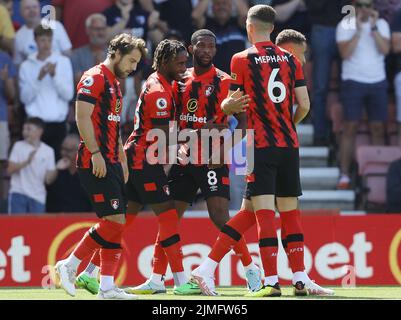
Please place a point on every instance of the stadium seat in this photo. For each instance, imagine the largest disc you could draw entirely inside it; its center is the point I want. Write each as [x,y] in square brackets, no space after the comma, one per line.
[373,163]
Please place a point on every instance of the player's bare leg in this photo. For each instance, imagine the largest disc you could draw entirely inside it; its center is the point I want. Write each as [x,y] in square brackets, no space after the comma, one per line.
[291,222]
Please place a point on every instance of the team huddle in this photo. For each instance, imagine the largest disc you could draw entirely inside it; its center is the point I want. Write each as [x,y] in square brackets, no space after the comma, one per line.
[266,81]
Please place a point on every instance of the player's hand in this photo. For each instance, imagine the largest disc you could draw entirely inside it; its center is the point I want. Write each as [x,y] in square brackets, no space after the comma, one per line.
[209,125]
[213,166]
[125,171]
[236,103]
[63,164]
[182,153]
[99,165]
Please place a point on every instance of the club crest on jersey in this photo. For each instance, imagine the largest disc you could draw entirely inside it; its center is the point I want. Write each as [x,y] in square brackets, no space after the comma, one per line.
[115,203]
[192,105]
[118,106]
[161,103]
[233,76]
[88,82]
[209,90]
[166,190]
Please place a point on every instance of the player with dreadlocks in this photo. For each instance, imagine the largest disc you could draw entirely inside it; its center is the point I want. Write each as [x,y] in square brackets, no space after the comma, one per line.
[148,182]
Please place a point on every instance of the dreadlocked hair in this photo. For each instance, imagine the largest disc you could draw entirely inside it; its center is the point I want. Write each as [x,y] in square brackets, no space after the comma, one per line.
[165,51]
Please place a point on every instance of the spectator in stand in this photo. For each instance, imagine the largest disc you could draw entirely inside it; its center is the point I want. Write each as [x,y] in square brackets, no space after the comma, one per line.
[7,94]
[74,14]
[95,51]
[180,20]
[291,14]
[393,187]
[10,8]
[7,33]
[363,49]
[230,33]
[76,199]
[128,16]
[387,8]
[31,166]
[46,87]
[255,2]
[324,15]
[25,43]
[396,44]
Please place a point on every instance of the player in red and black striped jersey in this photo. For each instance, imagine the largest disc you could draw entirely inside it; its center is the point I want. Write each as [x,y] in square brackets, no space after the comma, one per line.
[272,79]
[148,182]
[102,164]
[198,100]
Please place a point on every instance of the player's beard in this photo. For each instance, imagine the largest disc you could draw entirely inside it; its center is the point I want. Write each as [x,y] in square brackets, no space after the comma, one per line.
[200,63]
[119,72]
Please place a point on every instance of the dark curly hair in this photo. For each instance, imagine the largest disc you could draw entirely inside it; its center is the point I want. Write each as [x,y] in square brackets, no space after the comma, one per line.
[165,51]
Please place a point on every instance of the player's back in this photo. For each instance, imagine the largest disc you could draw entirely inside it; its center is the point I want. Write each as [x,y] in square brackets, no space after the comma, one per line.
[269,74]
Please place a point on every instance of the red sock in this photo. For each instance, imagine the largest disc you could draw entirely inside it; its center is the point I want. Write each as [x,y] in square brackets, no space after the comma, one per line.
[242,251]
[96,258]
[86,246]
[268,242]
[231,233]
[160,261]
[291,220]
[129,220]
[109,261]
[94,238]
[170,239]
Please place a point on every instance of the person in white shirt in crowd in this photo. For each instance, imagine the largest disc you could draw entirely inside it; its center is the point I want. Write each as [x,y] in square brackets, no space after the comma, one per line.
[363,42]
[25,44]
[46,87]
[31,166]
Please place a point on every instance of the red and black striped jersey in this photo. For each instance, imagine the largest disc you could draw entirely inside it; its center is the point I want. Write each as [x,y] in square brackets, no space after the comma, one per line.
[100,87]
[198,98]
[155,107]
[269,75]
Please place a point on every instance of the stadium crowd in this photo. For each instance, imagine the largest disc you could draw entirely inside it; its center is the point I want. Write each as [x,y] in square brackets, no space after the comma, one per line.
[353,65]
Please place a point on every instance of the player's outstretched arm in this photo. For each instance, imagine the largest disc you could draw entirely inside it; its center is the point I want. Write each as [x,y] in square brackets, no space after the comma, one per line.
[83,111]
[235,102]
[302,97]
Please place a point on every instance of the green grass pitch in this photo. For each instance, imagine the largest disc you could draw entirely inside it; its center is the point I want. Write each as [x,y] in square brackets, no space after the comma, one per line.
[226,293]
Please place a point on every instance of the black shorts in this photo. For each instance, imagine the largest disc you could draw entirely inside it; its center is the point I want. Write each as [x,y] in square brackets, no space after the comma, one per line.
[148,185]
[184,182]
[276,172]
[106,194]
